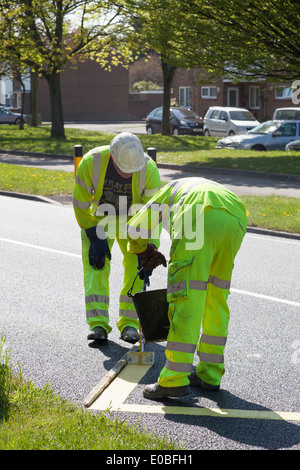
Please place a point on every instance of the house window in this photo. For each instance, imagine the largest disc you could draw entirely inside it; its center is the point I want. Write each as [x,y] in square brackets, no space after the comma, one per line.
[185,96]
[209,92]
[254,93]
[282,92]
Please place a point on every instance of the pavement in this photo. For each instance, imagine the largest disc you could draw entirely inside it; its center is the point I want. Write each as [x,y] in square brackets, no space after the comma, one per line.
[239,181]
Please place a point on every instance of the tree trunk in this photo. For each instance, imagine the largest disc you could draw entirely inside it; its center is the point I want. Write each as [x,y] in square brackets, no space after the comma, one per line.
[21,125]
[57,118]
[34,88]
[168,74]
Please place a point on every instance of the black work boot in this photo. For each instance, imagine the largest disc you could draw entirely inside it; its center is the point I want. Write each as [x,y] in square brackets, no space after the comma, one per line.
[156,391]
[130,334]
[197,382]
[97,334]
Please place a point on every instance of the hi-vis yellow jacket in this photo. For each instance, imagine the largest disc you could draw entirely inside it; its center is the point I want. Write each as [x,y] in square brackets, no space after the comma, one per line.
[89,182]
[177,206]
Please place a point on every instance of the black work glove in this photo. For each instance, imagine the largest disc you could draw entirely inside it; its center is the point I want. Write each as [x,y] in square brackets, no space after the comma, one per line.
[99,249]
[151,258]
[145,273]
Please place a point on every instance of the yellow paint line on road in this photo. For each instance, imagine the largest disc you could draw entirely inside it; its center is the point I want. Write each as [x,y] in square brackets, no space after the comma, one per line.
[121,387]
[214,412]
[114,396]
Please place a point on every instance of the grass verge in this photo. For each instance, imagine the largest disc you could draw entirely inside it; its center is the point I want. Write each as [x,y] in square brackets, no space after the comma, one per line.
[192,150]
[270,212]
[29,180]
[37,419]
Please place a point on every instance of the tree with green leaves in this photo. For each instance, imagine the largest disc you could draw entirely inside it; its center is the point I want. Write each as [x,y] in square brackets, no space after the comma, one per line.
[249,38]
[46,35]
[230,38]
[163,26]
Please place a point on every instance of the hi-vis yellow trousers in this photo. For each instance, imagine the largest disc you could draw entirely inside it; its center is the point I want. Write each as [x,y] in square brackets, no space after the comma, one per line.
[198,288]
[96,285]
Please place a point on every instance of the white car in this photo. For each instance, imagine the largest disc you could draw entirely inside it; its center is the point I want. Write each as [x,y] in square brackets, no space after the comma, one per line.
[220,121]
[286,114]
[270,135]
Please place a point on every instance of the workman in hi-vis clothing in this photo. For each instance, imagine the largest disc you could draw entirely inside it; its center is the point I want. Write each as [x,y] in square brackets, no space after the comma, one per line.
[207,224]
[110,181]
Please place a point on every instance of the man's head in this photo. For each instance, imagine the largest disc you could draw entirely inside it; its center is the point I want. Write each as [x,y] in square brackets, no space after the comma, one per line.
[127,152]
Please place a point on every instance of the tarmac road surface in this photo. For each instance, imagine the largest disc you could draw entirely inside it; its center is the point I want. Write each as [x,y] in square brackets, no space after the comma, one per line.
[42,316]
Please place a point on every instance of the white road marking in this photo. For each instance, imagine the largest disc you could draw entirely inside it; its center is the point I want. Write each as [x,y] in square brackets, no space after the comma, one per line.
[38,247]
[266,297]
[66,253]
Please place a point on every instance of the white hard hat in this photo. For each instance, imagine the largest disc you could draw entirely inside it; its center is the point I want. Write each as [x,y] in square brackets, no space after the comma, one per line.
[127,152]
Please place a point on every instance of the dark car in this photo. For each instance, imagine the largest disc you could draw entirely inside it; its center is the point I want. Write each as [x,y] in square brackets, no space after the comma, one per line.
[183,121]
[8,117]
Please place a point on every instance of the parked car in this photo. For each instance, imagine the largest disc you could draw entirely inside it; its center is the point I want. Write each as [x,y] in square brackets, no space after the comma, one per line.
[270,135]
[8,117]
[286,114]
[183,121]
[294,145]
[220,121]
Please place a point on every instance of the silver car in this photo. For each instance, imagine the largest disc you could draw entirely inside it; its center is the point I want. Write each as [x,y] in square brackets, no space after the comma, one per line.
[220,121]
[8,117]
[294,145]
[270,135]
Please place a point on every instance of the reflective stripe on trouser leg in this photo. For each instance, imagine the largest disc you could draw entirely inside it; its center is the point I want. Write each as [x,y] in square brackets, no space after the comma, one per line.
[96,288]
[127,312]
[211,347]
[216,313]
[185,315]
[186,312]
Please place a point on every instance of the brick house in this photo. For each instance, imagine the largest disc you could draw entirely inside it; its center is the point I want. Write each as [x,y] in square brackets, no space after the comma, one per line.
[89,93]
[259,97]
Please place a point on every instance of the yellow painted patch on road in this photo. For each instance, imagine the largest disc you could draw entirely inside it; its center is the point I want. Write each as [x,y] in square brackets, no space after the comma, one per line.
[114,396]
[121,387]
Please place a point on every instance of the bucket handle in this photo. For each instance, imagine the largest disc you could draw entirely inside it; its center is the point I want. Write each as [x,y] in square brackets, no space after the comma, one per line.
[129,293]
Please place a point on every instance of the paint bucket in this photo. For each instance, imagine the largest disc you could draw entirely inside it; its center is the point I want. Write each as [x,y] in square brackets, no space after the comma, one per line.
[152,310]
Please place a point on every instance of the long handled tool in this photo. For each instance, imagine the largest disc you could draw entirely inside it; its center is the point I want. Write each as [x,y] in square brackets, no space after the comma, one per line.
[140,356]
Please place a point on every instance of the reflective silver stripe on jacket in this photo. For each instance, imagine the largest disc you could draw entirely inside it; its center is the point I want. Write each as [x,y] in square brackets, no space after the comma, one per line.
[178,366]
[214,358]
[142,175]
[96,169]
[180,183]
[81,205]
[82,183]
[181,347]
[215,340]
[151,192]
[97,298]
[96,312]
